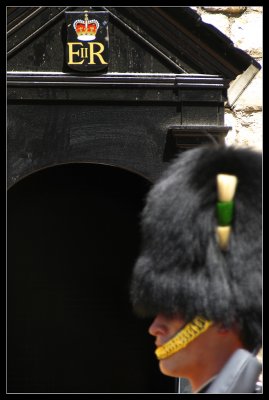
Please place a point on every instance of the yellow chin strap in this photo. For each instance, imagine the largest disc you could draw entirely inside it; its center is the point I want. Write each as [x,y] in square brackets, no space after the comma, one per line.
[190,332]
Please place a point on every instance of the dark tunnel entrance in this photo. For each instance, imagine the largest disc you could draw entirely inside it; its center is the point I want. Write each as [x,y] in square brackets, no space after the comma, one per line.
[73,236]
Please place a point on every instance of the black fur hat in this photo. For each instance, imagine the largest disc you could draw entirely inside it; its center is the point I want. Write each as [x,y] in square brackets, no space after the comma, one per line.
[181,268]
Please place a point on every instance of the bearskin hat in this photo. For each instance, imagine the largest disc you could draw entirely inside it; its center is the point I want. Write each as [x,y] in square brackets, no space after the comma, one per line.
[181,267]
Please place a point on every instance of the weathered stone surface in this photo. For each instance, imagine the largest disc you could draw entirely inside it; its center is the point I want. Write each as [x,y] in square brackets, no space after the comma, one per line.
[246,33]
[225,9]
[220,21]
[247,129]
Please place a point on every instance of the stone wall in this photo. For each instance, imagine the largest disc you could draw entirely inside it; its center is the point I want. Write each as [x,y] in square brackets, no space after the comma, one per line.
[243,25]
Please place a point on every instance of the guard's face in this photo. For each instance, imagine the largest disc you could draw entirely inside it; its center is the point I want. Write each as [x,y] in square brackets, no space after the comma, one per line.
[164,328]
[203,357]
[187,360]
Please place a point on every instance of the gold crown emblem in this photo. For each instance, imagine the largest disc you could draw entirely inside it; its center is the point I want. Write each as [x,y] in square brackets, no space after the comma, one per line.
[86,30]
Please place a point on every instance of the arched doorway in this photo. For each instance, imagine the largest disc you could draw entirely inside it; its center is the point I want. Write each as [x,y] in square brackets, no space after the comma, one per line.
[73,236]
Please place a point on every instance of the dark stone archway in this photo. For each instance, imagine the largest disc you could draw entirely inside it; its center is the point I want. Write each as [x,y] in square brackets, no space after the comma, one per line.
[73,236]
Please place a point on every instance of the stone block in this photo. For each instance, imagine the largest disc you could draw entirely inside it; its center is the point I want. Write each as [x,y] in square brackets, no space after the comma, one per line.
[219,21]
[225,9]
[247,129]
[246,33]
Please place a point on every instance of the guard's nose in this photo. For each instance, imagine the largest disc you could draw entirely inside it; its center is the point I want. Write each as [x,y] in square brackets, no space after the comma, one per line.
[158,326]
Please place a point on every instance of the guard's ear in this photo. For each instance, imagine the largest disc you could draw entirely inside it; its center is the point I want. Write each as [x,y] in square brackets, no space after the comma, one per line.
[223,330]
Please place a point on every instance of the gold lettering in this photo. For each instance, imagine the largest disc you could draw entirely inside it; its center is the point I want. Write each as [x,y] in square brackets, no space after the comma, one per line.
[72,52]
[84,52]
[96,53]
